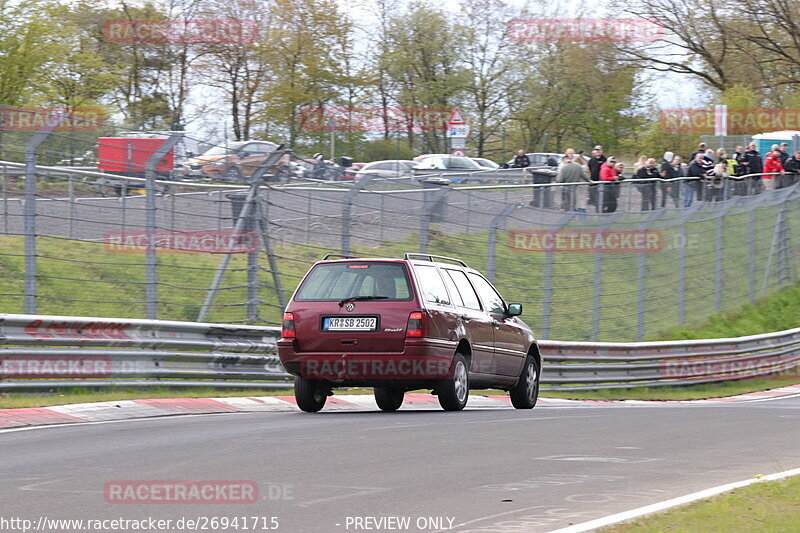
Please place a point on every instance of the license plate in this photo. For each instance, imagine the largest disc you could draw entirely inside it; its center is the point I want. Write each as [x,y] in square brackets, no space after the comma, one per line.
[349,323]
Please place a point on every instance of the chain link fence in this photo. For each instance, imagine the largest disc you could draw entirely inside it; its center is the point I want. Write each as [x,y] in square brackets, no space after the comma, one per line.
[234,253]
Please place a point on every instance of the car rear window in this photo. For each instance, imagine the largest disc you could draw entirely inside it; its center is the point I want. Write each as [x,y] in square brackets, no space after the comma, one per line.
[337,281]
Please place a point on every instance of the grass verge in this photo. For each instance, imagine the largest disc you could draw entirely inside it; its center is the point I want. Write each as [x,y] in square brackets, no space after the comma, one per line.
[772,506]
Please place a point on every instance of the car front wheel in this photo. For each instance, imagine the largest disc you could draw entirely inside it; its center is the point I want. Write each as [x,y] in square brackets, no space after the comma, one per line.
[389,398]
[453,392]
[526,391]
[309,394]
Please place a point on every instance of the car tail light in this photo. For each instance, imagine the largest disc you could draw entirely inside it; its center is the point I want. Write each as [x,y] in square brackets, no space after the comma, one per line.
[287,331]
[416,325]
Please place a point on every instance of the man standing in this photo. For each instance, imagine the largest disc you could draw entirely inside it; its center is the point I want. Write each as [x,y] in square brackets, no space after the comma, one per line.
[754,166]
[785,180]
[741,169]
[773,169]
[701,149]
[609,178]
[648,188]
[521,160]
[697,171]
[569,172]
[595,164]
[792,168]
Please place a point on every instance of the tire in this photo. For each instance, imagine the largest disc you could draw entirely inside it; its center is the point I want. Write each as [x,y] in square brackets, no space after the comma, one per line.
[389,398]
[310,396]
[526,391]
[453,392]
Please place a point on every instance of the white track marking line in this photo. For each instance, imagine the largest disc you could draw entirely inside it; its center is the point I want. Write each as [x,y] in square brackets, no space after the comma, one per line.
[674,502]
[788,396]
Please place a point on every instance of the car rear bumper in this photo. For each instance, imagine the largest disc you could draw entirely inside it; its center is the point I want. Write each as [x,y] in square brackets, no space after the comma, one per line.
[421,361]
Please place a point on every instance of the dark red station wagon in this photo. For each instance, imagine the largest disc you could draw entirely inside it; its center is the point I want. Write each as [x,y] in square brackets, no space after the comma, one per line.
[421,322]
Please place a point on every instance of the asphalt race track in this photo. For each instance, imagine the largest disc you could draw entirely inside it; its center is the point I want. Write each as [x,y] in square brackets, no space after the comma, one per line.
[479,470]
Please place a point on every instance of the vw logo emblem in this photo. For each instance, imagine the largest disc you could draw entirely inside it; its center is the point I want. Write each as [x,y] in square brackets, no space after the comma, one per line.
[350,306]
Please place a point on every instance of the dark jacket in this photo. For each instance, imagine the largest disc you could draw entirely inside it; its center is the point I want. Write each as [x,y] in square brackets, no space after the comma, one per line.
[696,170]
[595,164]
[792,165]
[669,170]
[756,163]
[647,172]
[521,161]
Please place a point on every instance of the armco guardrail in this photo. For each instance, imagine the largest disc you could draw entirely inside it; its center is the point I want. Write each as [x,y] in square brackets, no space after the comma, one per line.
[48,351]
[606,365]
[54,351]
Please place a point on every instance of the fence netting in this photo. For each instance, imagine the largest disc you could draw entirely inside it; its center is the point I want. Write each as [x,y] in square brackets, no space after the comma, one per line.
[234,252]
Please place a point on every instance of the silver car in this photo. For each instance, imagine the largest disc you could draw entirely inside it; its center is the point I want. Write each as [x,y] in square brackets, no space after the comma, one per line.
[392,169]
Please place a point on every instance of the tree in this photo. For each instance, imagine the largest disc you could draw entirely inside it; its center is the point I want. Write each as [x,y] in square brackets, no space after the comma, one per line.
[423,53]
[302,49]
[492,61]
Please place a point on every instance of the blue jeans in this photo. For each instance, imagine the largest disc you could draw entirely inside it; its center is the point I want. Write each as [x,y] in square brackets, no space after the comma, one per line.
[688,193]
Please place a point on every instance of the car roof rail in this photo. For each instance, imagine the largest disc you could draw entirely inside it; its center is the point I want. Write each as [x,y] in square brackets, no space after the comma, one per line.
[339,256]
[433,258]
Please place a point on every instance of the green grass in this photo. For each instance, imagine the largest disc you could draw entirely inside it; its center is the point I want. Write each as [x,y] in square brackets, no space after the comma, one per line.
[772,506]
[777,312]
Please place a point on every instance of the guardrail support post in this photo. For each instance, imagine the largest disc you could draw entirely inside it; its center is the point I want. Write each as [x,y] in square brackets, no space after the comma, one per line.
[151,261]
[29,210]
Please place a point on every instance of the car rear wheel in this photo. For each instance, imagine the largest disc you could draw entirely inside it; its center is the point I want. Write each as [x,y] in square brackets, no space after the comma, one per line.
[389,398]
[526,391]
[309,394]
[453,392]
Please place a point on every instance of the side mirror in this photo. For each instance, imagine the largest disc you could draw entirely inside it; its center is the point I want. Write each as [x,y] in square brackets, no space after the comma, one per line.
[504,165]
[514,309]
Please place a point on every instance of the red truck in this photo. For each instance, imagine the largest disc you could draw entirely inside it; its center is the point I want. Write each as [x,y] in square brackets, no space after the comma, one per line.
[127,156]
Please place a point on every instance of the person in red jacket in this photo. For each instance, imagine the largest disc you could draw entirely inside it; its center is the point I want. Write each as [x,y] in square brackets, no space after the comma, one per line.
[610,189]
[772,164]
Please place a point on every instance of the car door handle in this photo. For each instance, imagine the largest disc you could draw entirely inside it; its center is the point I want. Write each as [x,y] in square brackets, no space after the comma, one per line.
[496,324]
[466,318]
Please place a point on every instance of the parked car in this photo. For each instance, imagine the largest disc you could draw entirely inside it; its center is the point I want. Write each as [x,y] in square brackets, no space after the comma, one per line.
[230,162]
[465,170]
[420,322]
[486,163]
[393,169]
[419,158]
[544,159]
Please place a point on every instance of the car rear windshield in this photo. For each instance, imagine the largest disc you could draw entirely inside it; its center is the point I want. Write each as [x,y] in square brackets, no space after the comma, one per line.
[337,281]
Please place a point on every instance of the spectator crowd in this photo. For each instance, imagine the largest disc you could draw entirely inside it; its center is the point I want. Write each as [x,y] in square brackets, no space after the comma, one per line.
[708,175]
